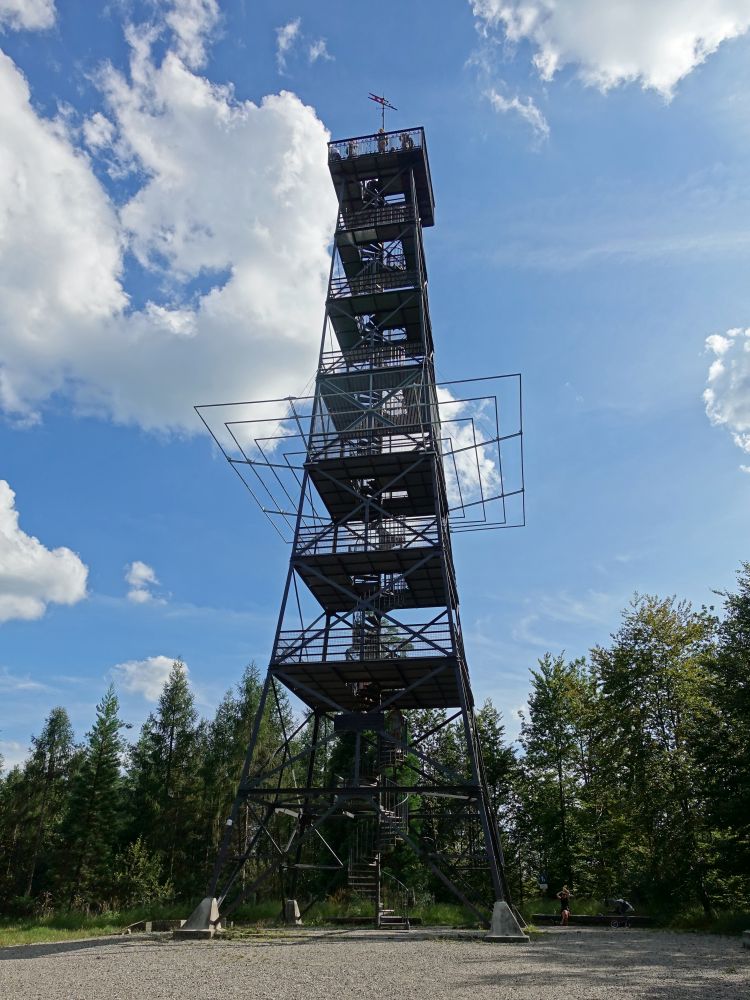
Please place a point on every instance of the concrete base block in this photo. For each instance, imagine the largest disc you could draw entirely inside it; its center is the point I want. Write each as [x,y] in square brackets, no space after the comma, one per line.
[202,923]
[504,928]
[746,939]
[291,912]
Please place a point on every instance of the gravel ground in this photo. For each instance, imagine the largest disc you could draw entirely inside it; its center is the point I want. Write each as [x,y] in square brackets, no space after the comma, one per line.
[328,965]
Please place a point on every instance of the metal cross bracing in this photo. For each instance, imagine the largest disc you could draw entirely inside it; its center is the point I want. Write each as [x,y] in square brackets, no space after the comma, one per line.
[369,475]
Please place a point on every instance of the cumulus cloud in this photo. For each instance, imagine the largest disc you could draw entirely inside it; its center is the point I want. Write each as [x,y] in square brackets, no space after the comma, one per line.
[30,15]
[471,471]
[192,22]
[727,396]
[286,36]
[146,677]
[140,578]
[32,576]
[654,44]
[231,198]
[98,132]
[524,108]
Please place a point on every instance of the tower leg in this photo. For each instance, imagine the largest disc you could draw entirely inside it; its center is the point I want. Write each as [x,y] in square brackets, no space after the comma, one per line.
[504,928]
[202,923]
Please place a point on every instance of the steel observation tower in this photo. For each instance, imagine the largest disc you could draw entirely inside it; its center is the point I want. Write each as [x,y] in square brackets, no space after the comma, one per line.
[368,479]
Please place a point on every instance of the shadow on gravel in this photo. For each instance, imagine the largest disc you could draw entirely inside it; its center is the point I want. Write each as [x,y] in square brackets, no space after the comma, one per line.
[370,936]
[648,967]
[32,951]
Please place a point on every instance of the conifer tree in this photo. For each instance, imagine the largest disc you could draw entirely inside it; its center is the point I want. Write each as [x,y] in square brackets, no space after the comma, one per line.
[165,783]
[46,777]
[92,825]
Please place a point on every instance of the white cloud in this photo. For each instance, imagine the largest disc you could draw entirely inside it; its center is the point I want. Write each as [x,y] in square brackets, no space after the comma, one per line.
[12,753]
[9,682]
[555,615]
[652,43]
[146,677]
[32,576]
[727,396]
[471,472]
[27,14]
[286,36]
[141,578]
[192,21]
[319,50]
[233,194]
[60,251]
[98,131]
[525,108]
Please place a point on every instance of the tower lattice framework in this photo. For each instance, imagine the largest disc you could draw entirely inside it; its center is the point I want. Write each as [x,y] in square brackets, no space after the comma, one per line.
[369,636]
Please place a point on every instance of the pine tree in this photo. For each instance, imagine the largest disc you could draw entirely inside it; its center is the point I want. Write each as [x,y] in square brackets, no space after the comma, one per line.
[92,825]
[165,784]
[46,776]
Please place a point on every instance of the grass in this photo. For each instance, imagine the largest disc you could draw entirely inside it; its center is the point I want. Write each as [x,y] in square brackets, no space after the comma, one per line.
[250,919]
[723,922]
[254,919]
[542,904]
[268,914]
[69,926]
[726,922]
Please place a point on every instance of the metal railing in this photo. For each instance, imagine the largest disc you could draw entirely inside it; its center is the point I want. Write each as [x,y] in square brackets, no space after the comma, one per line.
[370,358]
[352,643]
[396,213]
[404,140]
[370,441]
[376,536]
[387,277]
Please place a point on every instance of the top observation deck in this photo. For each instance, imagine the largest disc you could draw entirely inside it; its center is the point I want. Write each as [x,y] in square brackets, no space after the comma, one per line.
[391,158]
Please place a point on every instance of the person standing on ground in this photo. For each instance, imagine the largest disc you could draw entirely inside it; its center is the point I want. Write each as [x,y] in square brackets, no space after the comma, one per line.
[564,895]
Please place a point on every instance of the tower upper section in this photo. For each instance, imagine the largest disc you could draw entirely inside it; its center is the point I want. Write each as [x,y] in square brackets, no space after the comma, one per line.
[395,161]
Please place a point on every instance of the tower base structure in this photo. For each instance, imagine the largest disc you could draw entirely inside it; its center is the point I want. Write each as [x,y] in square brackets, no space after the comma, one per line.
[504,928]
[202,923]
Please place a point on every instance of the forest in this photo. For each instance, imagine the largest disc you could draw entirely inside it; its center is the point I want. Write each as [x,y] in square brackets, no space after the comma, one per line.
[630,777]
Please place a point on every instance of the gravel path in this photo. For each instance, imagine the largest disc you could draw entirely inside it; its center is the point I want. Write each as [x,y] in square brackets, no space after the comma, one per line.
[328,965]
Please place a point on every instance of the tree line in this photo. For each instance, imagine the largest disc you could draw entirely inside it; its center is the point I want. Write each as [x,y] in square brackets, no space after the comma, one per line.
[630,776]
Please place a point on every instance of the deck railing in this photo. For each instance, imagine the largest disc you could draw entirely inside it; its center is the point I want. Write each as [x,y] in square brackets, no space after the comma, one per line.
[372,279]
[376,536]
[400,140]
[397,213]
[371,358]
[353,643]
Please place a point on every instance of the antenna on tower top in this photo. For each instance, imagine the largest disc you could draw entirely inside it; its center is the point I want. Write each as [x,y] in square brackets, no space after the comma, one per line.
[384,103]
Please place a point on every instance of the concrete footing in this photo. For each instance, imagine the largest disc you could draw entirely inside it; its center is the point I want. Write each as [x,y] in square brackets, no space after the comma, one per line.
[291,912]
[202,923]
[504,928]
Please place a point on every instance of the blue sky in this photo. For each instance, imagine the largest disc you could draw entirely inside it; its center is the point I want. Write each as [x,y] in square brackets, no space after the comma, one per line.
[165,215]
